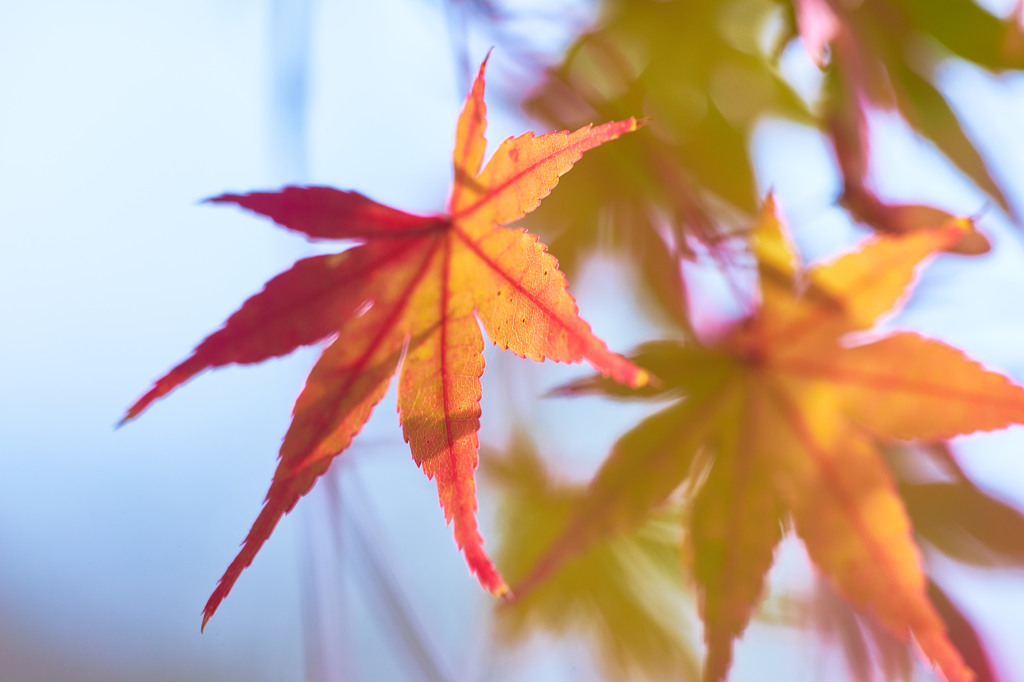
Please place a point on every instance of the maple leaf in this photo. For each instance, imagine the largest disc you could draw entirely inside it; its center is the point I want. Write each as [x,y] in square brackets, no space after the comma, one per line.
[782,422]
[414,289]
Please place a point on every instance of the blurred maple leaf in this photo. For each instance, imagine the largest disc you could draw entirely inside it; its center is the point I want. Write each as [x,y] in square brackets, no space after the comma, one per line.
[410,292]
[697,70]
[951,516]
[781,422]
[625,594]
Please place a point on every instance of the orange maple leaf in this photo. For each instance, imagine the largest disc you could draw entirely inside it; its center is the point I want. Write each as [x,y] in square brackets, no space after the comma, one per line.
[414,289]
[781,421]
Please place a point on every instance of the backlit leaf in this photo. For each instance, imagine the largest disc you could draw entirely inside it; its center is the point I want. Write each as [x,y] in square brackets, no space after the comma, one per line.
[414,287]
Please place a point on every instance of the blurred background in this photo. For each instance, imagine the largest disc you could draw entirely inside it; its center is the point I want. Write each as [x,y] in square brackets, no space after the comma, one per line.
[117,118]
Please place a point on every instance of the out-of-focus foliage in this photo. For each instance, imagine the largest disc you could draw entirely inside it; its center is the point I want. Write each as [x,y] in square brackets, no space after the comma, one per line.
[951,517]
[871,652]
[705,72]
[955,517]
[885,54]
[625,594]
[780,422]
[700,73]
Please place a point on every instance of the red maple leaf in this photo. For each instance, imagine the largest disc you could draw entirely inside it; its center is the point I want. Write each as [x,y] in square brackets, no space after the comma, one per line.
[413,293]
